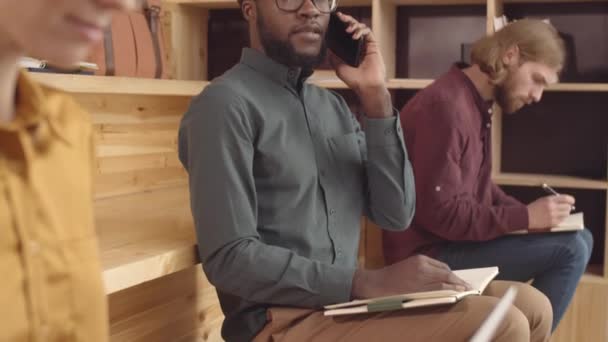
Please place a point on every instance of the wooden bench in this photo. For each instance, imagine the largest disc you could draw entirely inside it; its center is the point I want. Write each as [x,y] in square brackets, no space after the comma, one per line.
[156,289]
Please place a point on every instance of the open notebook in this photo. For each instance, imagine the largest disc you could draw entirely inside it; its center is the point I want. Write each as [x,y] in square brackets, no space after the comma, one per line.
[479,278]
[571,223]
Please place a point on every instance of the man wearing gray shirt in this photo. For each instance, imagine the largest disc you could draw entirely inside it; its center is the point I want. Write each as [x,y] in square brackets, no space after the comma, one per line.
[280,175]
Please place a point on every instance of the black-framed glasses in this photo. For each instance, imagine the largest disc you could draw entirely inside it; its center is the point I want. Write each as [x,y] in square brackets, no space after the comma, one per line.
[324,6]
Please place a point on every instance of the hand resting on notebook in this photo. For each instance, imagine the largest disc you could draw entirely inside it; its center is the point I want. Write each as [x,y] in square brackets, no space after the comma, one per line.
[414,274]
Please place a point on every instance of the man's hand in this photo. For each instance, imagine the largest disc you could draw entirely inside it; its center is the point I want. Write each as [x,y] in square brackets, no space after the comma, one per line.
[368,81]
[414,274]
[547,212]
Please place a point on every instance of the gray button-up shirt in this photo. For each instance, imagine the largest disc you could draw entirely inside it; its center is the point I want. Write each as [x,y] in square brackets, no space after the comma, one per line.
[280,175]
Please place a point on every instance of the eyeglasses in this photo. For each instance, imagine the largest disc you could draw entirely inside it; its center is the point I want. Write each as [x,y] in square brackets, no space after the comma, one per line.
[324,6]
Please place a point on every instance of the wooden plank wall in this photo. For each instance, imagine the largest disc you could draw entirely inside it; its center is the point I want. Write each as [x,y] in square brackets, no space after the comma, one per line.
[136,141]
[136,145]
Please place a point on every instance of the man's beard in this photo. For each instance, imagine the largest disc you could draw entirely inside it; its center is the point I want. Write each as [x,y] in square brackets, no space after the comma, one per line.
[502,96]
[284,53]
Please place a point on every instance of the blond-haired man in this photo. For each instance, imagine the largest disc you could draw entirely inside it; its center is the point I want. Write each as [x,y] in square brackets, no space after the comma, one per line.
[462,218]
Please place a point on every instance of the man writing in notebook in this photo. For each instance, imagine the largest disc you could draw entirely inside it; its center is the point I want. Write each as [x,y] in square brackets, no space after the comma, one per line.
[280,175]
[462,217]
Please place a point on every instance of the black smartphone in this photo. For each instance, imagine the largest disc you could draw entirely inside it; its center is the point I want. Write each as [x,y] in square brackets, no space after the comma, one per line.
[342,44]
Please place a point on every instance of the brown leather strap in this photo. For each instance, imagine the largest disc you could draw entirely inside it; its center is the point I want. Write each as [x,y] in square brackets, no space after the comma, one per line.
[123,42]
[146,61]
[153,16]
[109,52]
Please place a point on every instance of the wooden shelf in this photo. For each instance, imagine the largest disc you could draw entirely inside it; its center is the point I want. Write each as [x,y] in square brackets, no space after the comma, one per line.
[580,87]
[118,85]
[548,1]
[218,4]
[394,84]
[408,83]
[324,80]
[328,82]
[82,84]
[519,179]
[343,3]
[145,236]
[437,2]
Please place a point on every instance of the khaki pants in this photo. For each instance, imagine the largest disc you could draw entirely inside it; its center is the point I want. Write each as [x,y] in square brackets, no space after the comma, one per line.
[529,319]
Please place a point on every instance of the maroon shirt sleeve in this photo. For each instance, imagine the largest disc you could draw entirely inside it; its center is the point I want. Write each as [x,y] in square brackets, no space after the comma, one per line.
[445,207]
[499,197]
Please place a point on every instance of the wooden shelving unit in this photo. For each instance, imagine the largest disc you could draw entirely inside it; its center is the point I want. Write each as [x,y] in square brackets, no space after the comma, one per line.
[592,294]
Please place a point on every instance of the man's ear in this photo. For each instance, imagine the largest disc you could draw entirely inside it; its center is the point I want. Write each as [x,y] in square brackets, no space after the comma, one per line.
[249,10]
[511,56]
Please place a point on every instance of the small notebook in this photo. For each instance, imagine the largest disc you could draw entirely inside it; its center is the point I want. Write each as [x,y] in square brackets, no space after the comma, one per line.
[478,278]
[572,223]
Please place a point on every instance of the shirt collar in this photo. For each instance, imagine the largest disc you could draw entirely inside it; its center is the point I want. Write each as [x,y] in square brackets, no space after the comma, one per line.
[36,109]
[282,74]
[485,107]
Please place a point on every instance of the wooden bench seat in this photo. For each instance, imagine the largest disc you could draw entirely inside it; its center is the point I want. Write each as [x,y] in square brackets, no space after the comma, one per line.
[145,236]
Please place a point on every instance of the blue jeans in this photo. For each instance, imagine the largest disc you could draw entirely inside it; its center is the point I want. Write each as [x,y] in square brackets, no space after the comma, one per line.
[556,262]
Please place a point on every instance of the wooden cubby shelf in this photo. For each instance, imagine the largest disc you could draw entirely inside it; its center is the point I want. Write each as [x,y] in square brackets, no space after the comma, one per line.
[520,179]
[579,87]
[76,84]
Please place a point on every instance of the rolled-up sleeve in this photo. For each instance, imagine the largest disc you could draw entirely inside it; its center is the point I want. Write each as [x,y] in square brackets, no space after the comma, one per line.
[216,146]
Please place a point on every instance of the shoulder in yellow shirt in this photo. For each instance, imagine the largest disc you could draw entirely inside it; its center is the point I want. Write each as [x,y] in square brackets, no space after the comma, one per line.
[52,290]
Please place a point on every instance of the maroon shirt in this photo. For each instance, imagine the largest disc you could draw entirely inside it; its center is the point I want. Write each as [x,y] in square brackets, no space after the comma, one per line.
[447,130]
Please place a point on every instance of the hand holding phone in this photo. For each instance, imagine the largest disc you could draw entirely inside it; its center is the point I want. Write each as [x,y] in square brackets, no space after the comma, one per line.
[359,64]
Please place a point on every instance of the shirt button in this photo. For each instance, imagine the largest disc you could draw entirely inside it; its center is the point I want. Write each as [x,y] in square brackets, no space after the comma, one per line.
[488,125]
[332,211]
[490,111]
[339,254]
[438,188]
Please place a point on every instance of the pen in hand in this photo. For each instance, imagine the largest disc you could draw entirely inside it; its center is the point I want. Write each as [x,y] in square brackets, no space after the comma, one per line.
[550,191]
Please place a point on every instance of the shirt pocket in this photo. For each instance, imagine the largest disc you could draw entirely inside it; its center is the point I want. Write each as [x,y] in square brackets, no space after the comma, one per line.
[346,155]
[345,149]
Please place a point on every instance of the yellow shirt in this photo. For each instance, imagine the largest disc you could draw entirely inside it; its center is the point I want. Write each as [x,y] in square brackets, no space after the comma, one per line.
[51,287]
